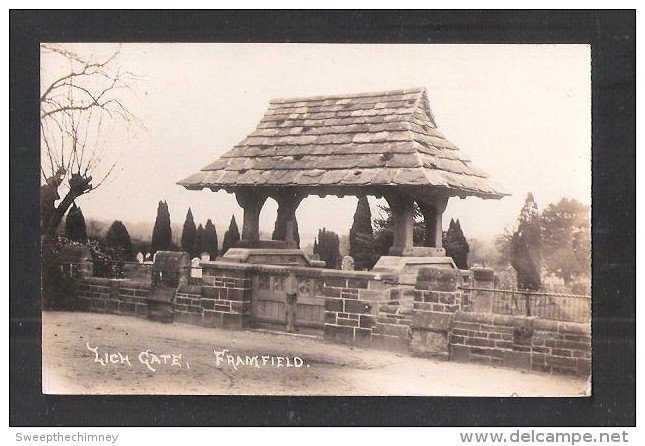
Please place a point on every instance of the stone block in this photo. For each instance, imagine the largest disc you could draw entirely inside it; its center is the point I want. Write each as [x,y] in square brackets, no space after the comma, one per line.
[581,353]
[357,306]
[559,361]
[338,282]
[208,304]
[539,349]
[210,292]
[112,306]
[362,336]
[367,321]
[477,342]
[235,320]
[441,308]
[194,309]
[349,294]
[331,292]
[400,331]
[241,307]
[456,339]
[521,348]
[423,306]
[372,295]
[388,308]
[561,352]
[222,308]
[333,305]
[517,359]
[429,343]
[392,343]
[435,286]
[584,367]
[357,283]
[238,294]
[212,318]
[188,318]
[432,321]
[460,353]
[430,274]
[330,317]
[339,334]
[347,322]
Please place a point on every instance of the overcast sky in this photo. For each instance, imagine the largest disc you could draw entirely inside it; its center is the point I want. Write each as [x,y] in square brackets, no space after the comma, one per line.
[522,113]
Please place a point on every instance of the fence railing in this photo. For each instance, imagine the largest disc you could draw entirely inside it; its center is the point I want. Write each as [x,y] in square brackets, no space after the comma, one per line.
[553,306]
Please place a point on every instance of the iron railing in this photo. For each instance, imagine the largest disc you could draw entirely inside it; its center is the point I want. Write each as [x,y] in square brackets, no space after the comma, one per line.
[544,305]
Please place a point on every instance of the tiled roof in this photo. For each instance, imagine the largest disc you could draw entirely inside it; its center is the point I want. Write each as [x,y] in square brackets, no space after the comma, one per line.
[369,139]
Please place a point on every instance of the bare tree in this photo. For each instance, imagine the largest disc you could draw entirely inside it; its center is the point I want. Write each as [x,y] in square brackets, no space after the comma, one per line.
[82,102]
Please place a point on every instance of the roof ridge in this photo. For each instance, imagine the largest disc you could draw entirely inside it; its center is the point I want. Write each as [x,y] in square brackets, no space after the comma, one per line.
[418,90]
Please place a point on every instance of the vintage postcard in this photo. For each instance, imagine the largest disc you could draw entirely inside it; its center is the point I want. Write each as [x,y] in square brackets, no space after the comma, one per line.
[316,219]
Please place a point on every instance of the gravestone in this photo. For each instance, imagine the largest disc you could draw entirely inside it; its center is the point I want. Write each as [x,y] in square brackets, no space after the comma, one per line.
[140,257]
[347,264]
[196,267]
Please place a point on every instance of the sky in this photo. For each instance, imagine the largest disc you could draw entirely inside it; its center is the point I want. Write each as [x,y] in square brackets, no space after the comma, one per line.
[522,113]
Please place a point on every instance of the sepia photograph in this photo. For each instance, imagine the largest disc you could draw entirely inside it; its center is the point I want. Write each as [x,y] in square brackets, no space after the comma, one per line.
[316,219]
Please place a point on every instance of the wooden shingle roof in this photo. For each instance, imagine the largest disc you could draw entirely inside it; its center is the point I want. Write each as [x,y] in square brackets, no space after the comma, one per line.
[370,139]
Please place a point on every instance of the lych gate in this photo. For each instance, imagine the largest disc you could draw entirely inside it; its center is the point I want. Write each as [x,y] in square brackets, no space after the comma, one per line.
[382,144]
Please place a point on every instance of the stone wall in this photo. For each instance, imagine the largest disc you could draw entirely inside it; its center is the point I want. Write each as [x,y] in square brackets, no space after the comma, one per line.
[353,307]
[436,299]
[113,296]
[521,342]
[226,294]
[367,309]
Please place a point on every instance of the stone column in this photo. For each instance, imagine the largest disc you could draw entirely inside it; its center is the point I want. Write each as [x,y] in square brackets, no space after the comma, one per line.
[402,207]
[437,298]
[483,301]
[251,200]
[288,201]
[432,211]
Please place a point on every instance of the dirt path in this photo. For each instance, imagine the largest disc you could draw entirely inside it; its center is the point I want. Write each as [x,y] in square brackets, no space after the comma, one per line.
[308,366]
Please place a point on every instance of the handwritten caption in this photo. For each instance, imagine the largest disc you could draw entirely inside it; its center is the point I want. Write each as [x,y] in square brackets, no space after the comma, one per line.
[151,360]
[223,358]
[258,361]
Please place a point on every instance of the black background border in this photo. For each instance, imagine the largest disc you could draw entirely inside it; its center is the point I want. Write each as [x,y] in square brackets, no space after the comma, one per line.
[612,35]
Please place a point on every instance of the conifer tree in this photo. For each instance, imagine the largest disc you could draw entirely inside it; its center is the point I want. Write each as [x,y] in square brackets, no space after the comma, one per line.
[456,245]
[361,236]
[198,243]
[75,228]
[118,238]
[231,237]
[188,233]
[328,248]
[161,234]
[209,244]
[280,228]
[526,255]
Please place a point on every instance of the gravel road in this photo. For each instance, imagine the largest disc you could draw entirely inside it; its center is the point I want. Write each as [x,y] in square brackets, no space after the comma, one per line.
[87,353]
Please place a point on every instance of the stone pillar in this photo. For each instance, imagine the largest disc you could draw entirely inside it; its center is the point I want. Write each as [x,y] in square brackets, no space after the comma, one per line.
[432,211]
[483,300]
[288,202]
[437,298]
[402,207]
[251,200]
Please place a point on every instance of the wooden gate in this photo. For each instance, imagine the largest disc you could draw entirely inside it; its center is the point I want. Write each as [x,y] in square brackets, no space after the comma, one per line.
[269,302]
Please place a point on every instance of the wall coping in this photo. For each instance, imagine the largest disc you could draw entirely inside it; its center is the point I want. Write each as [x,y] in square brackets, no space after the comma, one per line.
[538,324]
[298,270]
[108,281]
